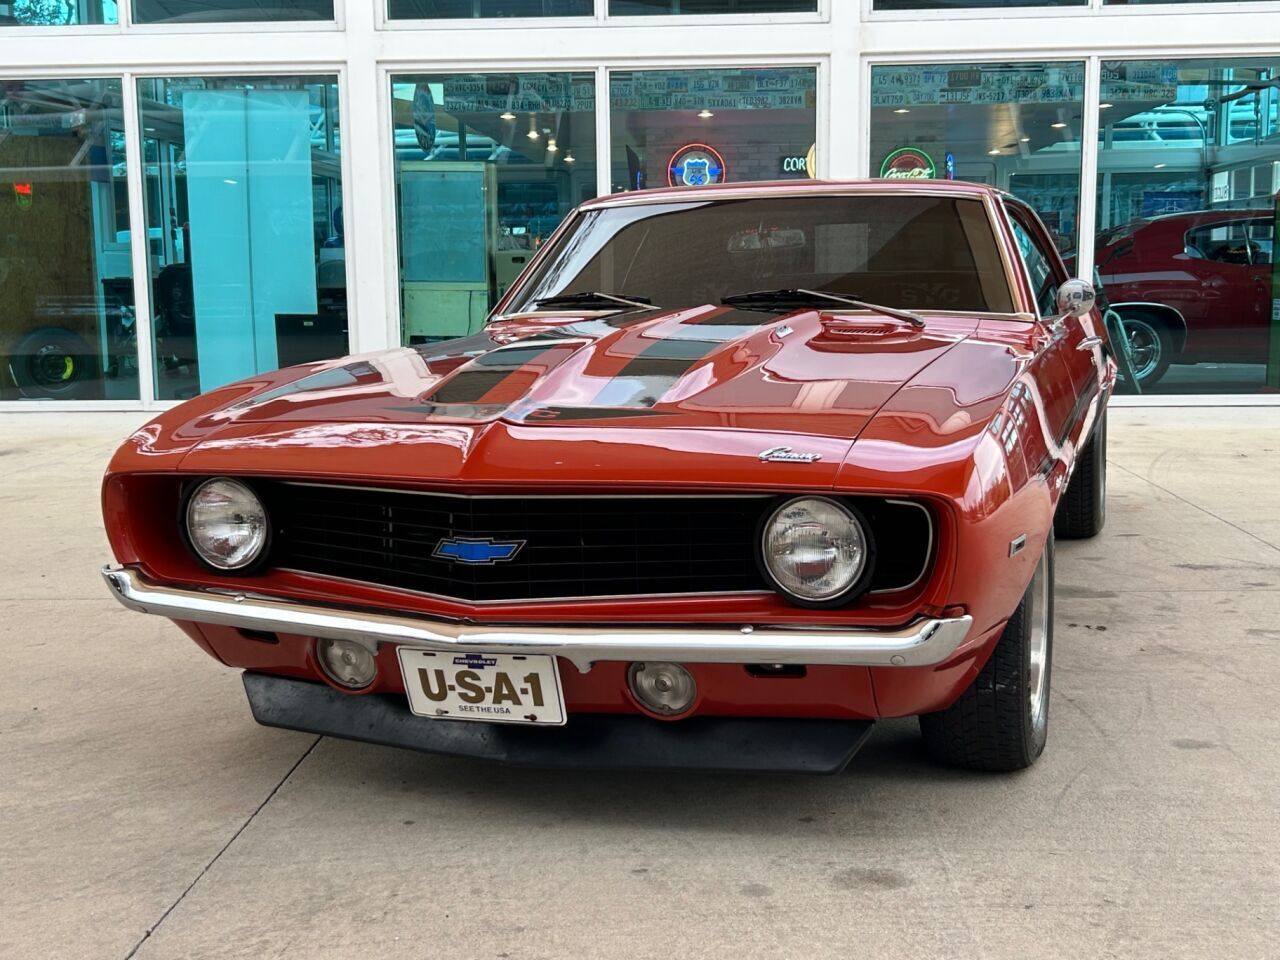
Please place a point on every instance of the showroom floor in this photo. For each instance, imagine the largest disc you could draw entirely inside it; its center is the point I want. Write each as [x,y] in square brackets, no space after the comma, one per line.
[144,814]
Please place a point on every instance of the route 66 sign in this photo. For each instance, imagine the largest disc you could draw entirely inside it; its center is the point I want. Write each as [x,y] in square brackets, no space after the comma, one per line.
[424,117]
[695,165]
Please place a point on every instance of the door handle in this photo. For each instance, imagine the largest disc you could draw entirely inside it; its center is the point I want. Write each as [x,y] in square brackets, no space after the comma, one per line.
[1088,343]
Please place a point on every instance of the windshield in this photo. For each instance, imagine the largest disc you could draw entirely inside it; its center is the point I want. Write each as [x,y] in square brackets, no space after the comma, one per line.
[911,252]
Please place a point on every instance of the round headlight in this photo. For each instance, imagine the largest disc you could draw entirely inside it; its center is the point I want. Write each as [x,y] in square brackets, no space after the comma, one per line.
[815,550]
[227,524]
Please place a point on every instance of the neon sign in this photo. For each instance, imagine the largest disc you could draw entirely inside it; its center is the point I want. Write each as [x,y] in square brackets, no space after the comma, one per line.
[696,165]
[908,163]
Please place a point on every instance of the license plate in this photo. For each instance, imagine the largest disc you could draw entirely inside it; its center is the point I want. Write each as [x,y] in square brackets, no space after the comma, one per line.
[495,687]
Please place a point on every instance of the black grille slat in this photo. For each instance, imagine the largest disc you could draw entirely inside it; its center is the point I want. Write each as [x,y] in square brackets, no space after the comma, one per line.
[574,547]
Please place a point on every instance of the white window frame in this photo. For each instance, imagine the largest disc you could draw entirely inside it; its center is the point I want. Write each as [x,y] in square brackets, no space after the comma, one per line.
[604,146]
[842,41]
[338,23]
[600,15]
[1089,10]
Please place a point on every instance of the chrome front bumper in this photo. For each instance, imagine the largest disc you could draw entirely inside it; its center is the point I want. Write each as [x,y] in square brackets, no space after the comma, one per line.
[921,643]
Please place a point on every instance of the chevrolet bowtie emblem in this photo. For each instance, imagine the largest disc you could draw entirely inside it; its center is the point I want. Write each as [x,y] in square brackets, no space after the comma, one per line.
[787,455]
[477,552]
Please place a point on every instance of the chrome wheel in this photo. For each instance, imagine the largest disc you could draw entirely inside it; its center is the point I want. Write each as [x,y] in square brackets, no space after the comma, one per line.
[1038,643]
[1145,347]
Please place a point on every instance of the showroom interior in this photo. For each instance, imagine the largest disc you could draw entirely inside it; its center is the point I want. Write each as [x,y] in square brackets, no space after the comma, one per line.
[194,191]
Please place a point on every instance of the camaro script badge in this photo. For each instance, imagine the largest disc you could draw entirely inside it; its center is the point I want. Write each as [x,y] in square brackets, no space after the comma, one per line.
[787,455]
[484,552]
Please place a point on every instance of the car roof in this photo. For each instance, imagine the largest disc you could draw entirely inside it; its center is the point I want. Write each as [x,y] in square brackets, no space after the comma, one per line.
[793,188]
[1199,216]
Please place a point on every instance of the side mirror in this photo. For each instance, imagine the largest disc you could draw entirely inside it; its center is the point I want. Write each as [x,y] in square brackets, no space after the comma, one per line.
[1076,298]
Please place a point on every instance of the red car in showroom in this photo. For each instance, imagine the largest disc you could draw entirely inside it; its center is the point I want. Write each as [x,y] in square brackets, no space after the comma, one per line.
[1191,287]
[730,473]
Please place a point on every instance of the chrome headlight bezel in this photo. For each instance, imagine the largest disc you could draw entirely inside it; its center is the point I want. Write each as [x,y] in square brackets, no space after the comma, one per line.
[854,588]
[207,558]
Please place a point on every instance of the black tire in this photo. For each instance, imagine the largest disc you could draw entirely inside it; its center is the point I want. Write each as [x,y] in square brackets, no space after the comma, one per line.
[994,725]
[1151,345]
[1082,511]
[52,363]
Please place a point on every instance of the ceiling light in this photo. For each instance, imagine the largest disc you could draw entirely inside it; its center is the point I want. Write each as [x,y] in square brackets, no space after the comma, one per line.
[902,110]
[1161,166]
[533,133]
[1024,139]
[1058,126]
[506,115]
[551,145]
[1105,106]
[705,114]
[993,152]
[570,158]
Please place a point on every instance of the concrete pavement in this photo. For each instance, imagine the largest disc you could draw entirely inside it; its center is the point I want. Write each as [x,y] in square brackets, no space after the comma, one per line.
[145,814]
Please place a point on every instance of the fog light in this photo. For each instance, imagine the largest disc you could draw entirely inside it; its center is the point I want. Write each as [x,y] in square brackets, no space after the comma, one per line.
[346,663]
[662,687]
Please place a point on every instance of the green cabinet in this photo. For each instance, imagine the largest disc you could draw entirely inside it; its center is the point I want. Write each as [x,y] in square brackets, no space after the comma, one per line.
[448,225]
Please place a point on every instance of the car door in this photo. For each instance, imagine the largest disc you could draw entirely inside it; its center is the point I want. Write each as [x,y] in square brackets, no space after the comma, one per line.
[1068,375]
[1231,262]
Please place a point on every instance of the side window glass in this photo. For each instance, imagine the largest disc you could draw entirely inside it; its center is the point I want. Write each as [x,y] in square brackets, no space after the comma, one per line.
[1242,242]
[1262,234]
[1043,282]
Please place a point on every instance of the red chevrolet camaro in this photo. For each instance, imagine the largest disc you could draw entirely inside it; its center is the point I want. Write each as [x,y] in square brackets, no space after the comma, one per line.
[729,474]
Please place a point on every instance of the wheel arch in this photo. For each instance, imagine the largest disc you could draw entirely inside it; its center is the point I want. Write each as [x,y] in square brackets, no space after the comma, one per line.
[1170,317]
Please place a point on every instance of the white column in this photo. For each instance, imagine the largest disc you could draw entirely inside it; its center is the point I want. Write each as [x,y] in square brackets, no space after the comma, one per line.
[604,158]
[1087,224]
[373,296]
[141,256]
[843,102]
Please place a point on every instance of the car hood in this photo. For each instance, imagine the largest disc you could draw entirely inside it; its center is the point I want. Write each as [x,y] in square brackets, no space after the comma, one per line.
[681,396]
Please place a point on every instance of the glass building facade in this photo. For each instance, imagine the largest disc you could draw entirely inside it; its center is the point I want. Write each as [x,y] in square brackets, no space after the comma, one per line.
[379,173]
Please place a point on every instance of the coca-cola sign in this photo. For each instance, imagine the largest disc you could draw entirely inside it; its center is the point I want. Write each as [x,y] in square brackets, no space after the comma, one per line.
[908,163]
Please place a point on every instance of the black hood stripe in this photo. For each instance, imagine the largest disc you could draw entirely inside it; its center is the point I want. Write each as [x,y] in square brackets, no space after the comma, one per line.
[471,383]
[638,385]
[655,370]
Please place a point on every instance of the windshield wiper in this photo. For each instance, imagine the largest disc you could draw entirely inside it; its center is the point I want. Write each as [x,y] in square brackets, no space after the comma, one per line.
[593,298]
[781,299]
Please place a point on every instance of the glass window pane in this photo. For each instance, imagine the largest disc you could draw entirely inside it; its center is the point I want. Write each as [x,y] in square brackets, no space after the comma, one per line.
[632,8]
[912,251]
[229,11]
[487,165]
[1110,2]
[972,4]
[66,292]
[1013,125]
[244,206]
[457,9]
[57,13]
[696,127]
[1187,167]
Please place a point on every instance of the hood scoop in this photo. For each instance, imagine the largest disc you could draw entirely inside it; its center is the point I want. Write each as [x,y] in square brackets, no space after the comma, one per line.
[845,330]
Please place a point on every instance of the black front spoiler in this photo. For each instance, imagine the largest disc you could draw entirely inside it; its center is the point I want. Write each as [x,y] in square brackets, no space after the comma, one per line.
[588,741]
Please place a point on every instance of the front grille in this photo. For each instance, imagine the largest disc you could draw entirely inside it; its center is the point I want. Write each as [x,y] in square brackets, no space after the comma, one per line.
[570,546]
